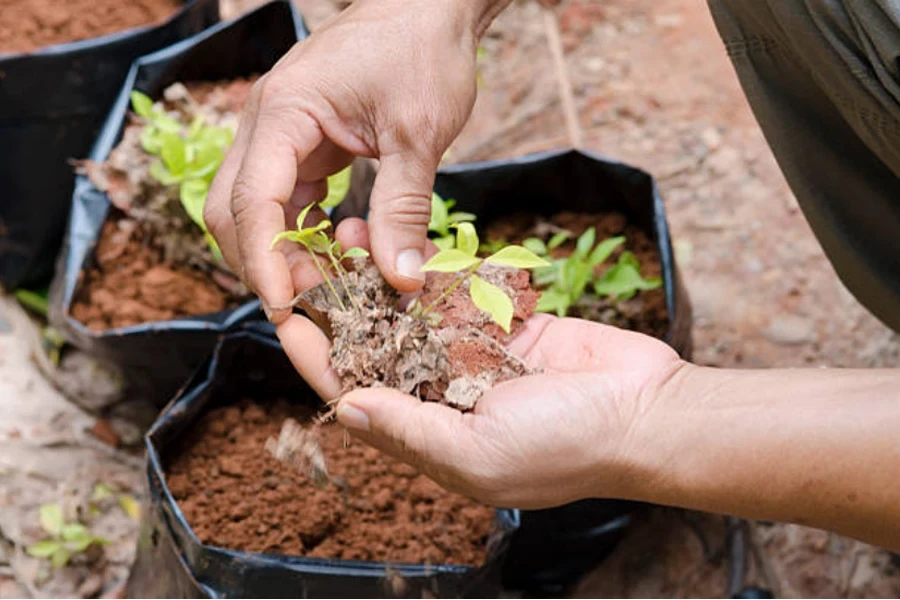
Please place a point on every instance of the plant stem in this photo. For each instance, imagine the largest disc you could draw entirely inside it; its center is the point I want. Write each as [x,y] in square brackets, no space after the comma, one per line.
[327,277]
[469,272]
[342,276]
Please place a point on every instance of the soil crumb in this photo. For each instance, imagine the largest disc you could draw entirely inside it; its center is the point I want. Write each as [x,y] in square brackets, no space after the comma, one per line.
[453,358]
[31,24]
[646,312]
[237,495]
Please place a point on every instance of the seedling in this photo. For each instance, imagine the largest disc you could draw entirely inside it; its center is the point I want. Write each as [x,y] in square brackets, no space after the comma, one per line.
[189,155]
[443,222]
[492,246]
[463,259]
[66,539]
[567,279]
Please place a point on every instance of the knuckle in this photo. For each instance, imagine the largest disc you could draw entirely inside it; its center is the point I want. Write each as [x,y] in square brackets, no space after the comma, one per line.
[405,210]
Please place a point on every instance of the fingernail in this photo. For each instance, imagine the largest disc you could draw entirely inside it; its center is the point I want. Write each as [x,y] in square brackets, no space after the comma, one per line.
[352,417]
[266,309]
[409,264]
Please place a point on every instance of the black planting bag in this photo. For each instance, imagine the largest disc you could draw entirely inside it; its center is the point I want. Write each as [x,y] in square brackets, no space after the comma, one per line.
[553,548]
[52,104]
[156,358]
[171,561]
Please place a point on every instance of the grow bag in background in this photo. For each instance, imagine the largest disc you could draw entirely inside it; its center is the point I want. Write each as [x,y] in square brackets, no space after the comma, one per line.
[156,358]
[171,561]
[52,104]
[553,548]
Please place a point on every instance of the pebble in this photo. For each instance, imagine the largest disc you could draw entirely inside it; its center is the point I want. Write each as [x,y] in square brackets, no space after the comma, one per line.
[790,330]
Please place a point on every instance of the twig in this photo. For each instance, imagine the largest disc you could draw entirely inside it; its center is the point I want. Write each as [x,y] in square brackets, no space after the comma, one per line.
[554,41]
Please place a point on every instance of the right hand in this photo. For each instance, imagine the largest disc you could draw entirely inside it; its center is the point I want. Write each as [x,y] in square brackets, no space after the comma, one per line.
[387,79]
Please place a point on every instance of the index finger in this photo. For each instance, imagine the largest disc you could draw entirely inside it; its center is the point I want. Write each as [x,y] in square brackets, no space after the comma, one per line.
[264,184]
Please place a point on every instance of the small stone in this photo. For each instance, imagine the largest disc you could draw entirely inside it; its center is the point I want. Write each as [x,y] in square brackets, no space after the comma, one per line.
[790,330]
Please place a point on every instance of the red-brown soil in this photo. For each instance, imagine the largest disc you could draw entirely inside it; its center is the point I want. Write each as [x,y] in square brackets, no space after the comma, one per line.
[27,25]
[236,495]
[647,311]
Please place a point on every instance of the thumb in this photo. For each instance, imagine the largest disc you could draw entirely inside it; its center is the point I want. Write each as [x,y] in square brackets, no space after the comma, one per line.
[427,435]
[399,212]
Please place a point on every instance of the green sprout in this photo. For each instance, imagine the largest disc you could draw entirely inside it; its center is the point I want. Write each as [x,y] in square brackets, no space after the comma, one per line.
[189,156]
[566,280]
[66,539]
[463,259]
[443,221]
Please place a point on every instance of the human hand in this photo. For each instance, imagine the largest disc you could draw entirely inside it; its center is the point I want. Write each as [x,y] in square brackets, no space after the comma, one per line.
[569,433]
[394,80]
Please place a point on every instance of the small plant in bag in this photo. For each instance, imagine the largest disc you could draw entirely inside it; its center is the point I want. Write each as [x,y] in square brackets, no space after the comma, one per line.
[443,221]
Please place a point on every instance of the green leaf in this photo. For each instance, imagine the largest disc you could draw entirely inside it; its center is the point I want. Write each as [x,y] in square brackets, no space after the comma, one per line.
[445,243]
[165,123]
[536,245]
[217,137]
[51,516]
[628,258]
[622,281]
[173,153]
[34,301]
[338,188]
[142,104]
[604,249]
[517,257]
[355,253]
[290,236]
[74,531]
[60,558]
[450,261]
[204,163]
[585,243]
[42,549]
[101,492]
[557,240]
[544,276]
[159,172]
[577,275]
[461,217]
[439,222]
[492,300]
[193,198]
[195,129]
[301,218]
[553,301]
[466,238]
[150,140]
[130,507]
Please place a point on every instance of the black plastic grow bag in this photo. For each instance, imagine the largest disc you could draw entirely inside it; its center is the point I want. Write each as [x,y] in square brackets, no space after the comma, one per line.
[553,548]
[171,561]
[156,358]
[52,104]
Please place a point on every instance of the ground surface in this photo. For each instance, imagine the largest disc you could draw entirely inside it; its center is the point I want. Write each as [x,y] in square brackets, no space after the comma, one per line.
[651,86]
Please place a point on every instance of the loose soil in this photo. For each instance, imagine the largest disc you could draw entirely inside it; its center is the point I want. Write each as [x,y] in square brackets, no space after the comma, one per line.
[452,359]
[31,24]
[646,312]
[236,495]
[152,263]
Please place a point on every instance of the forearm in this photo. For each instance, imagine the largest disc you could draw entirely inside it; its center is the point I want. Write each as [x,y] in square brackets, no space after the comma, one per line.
[817,447]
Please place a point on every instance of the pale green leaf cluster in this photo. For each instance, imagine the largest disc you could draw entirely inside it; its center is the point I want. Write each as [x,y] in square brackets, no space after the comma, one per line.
[463,257]
[443,221]
[188,155]
[566,280]
[65,539]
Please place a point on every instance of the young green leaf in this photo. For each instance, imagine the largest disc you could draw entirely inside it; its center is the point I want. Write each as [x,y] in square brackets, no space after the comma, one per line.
[173,153]
[338,188]
[356,252]
[628,258]
[130,506]
[159,172]
[440,222]
[43,549]
[74,531]
[51,516]
[101,492]
[193,194]
[553,300]
[460,217]
[517,257]
[450,261]
[466,238]
[603,250]
[536,245]
[544,276]
[445,243]
[301,218]
[585,243]
[142,104]
[622,281]
[492,300]
[558,239]
[60,558]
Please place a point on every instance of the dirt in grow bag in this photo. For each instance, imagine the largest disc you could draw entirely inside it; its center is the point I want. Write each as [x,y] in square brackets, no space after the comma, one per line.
[236,495]
[31,24]
[152,261]
[645,312]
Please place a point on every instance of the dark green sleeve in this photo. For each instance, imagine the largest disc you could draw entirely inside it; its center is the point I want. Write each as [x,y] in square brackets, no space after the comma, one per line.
[823,79]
